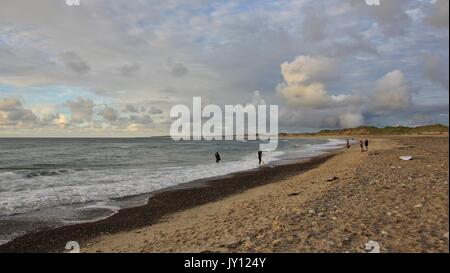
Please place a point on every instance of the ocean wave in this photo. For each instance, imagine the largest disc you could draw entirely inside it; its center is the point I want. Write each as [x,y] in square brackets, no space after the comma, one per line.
[46,173]
[37,190]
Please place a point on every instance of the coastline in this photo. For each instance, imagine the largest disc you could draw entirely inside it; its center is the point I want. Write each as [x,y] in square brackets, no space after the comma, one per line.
[333,203]
[161,203]
[345,202]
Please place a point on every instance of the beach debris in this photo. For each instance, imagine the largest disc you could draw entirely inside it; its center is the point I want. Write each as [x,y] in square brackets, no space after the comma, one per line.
[311,211]
[73,247]
[235,244]
[294,194]
[384,233]
[406,157]
[372,247]
[418,206]
[332,178]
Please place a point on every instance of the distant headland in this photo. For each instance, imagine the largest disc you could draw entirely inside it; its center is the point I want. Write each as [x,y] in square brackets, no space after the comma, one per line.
[434,129]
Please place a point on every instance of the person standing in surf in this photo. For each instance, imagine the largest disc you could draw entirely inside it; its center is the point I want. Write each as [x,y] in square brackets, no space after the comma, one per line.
[260,157]
[217,155]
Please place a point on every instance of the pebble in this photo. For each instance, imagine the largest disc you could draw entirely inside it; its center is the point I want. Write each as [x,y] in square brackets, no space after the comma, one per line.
[332,178]
[312,211]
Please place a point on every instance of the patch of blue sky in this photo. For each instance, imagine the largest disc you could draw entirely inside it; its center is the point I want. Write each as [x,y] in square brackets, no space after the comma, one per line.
[6,90]
[51,94]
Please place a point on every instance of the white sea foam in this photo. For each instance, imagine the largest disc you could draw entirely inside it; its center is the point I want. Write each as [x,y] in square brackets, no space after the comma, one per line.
[19,194]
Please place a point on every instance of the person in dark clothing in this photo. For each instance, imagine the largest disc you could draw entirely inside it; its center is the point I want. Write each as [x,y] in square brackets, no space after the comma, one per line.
[260,157]
[361,145]
[366,143]
[217,157]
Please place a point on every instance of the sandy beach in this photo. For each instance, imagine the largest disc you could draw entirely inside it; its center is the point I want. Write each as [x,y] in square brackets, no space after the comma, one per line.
[334,203]
[339,206]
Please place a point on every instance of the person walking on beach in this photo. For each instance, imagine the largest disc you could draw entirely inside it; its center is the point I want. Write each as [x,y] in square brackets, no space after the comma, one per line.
[217,157]
[348,144]
[366,143]
[361,145]
[260,157]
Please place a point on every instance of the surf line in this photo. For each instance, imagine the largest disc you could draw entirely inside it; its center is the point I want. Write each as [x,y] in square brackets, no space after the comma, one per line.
[262,123]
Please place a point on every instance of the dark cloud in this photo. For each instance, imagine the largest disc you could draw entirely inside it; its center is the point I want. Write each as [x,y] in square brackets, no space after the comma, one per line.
[109,114]
[155,110]
[177,69]
[140,119]
[81,110]
[438,14]
[129,108]
[390,15]
[12,113]
[314,25]
[129,69]
[74,62]
[436,69]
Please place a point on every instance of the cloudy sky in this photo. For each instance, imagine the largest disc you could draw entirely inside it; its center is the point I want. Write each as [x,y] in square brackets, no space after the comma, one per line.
[116,67]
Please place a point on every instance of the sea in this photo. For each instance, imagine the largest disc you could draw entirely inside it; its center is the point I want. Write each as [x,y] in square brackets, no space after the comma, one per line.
[50,182]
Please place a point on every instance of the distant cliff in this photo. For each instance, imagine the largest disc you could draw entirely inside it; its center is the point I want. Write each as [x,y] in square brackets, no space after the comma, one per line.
[435,129]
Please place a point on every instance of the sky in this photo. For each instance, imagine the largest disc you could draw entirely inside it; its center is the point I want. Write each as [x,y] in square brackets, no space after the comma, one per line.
[116,67]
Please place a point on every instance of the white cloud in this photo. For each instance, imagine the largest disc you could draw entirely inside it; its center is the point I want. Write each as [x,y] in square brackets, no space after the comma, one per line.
[350,120]
[303,81]
[313,95]
[306,69]
[61,121]
[391,92]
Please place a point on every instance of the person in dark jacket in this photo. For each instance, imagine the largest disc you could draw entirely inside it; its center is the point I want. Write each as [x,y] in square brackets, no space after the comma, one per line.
[366,143]
[260,157]
[217,155]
